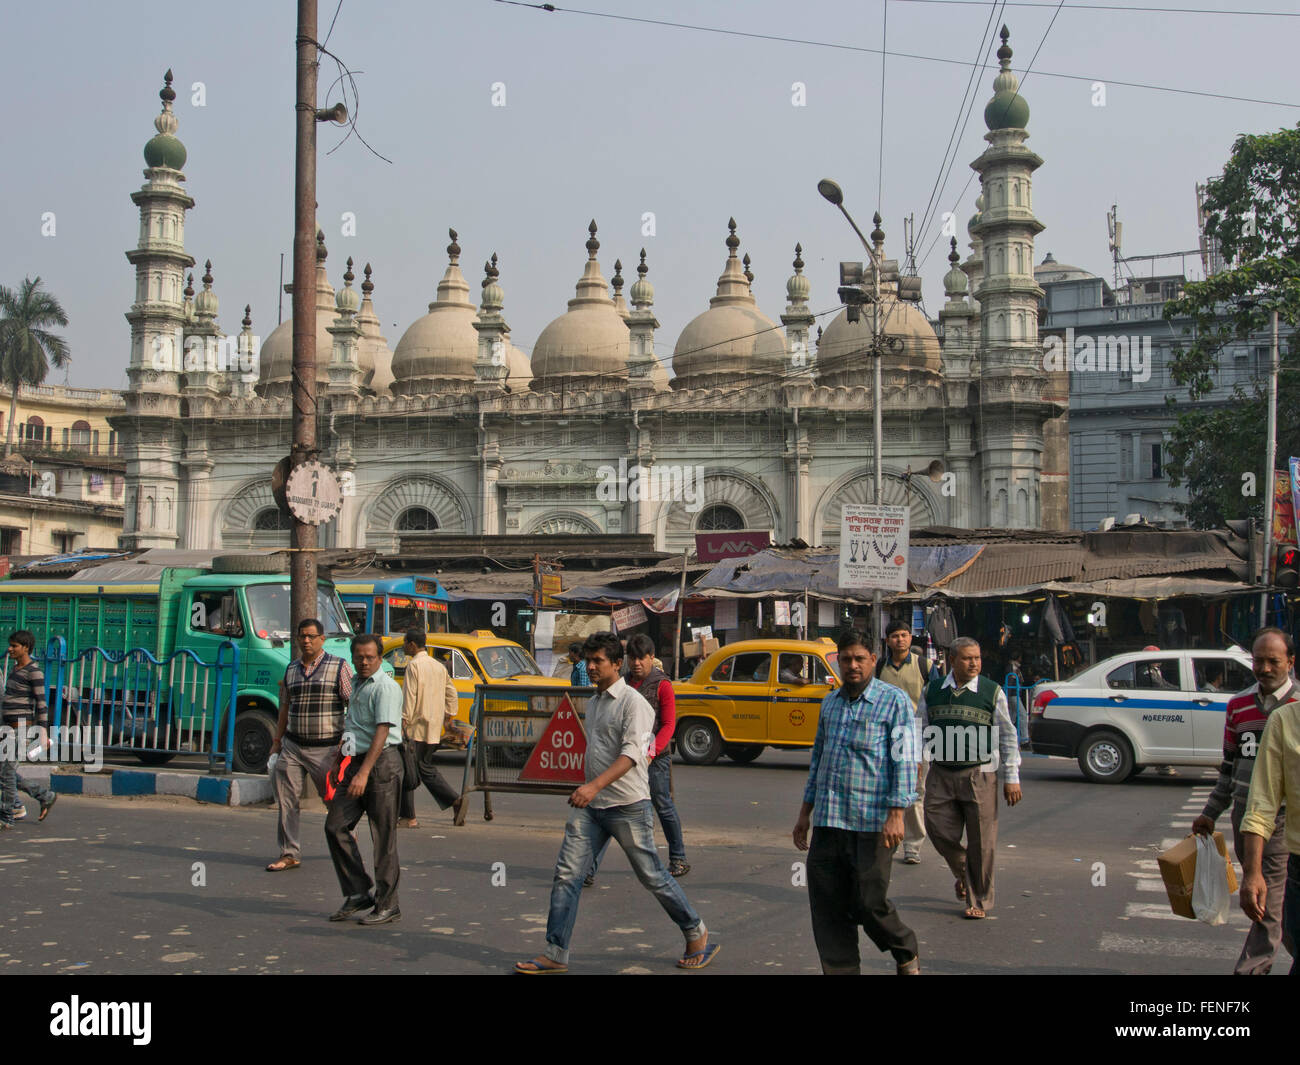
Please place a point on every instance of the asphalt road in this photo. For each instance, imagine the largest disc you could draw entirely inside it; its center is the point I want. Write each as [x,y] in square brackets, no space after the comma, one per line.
[112,886]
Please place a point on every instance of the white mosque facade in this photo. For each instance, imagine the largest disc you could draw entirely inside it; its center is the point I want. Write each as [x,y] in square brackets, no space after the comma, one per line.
[455,430]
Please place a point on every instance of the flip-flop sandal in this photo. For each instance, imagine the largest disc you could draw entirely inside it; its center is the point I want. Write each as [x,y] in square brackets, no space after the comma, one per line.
[960,888]
[281,864]
[531,968]
[974,913]
[700,958]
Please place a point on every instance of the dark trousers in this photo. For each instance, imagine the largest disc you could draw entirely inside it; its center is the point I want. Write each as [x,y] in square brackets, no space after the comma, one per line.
[1262,940]
[1291,912]
[443,793]
[379,804]
[848,886]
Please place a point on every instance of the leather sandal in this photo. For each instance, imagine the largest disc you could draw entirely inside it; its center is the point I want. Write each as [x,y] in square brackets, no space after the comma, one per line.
[285,861]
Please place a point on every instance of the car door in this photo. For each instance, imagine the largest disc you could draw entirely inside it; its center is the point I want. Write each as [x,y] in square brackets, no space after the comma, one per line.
[1149,705]
[801,684]
[1216,677]
[739,690]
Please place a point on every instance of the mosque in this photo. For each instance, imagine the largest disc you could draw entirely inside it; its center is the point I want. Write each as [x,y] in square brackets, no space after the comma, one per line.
[456,430]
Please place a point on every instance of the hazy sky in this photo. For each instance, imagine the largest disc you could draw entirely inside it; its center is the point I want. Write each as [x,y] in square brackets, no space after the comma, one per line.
[603,118]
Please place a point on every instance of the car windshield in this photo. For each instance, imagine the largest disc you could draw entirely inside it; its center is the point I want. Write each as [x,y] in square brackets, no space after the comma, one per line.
[507,661]
[269,605]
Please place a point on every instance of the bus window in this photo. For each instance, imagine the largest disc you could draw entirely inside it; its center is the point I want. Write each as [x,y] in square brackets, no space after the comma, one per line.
[357,615]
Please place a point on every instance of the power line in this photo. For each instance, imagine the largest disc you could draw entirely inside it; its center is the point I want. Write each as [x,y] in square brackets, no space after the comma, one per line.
[1117,7]
[553,9]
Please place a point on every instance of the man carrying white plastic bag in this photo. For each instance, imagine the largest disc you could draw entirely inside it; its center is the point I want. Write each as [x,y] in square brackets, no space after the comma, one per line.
[1211,895]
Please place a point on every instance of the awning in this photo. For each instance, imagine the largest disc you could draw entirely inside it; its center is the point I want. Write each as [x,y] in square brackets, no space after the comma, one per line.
[1132,588]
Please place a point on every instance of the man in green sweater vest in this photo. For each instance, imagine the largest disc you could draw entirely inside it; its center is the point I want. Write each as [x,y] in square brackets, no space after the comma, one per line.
[968,738]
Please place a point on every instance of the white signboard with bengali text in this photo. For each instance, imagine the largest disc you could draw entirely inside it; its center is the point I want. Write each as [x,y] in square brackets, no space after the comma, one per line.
[873,547]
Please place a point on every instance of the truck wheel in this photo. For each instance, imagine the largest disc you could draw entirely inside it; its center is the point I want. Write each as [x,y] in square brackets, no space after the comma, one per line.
[276,563]
[254,732]
[742,753]
[155,757]
[1106,758]
[698,741]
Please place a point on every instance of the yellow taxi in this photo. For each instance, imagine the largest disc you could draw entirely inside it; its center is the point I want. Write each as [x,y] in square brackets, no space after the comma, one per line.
[754,694]
[479,657]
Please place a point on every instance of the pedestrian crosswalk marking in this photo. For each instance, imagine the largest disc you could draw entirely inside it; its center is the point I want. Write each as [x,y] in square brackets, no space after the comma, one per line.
[1150,946]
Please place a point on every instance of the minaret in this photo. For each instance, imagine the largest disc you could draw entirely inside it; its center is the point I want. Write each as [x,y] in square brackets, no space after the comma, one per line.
[491,368]
[149,427]
[204,376]
[1011,372]
[959,323]
[642,323]
[344,365]
[797,320]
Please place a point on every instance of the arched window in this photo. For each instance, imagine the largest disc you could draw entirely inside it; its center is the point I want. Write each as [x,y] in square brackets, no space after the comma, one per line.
[270,519]
[34,429]
[719,518]
[80,436]
[416,519]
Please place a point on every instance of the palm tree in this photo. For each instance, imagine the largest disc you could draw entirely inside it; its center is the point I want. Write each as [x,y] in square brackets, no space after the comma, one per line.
[27,347]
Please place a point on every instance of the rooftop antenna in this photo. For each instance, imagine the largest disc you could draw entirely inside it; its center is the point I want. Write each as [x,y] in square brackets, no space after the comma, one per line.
[909,242]
[1115,229]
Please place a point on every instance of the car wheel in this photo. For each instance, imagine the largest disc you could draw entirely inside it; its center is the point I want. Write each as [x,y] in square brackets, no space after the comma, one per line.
[254,732]
[515,755]
[155,757]
[698,742]
[1106,758]
[744,753]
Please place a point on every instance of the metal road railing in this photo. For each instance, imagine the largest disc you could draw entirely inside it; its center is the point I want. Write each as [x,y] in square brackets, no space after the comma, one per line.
[1018,705]
[149,707]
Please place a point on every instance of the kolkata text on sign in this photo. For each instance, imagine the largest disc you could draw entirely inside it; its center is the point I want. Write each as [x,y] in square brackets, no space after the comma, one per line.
[873,547]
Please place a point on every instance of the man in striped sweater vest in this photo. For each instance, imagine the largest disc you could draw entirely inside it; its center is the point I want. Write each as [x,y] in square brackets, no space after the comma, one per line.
[1247,714]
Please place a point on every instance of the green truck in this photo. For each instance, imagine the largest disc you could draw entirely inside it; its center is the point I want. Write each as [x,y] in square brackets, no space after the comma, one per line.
[194,604]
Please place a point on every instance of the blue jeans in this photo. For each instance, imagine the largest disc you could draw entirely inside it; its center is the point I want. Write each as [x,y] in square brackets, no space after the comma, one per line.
[661,795]
[589,830]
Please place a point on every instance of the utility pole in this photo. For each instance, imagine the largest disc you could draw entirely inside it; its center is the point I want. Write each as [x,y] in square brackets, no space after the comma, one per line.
[302,560]
[1270,458]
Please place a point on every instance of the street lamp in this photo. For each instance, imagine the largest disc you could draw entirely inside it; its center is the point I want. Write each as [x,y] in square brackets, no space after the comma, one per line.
[852,292]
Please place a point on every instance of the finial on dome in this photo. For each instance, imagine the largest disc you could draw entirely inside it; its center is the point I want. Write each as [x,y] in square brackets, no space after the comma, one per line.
[798,259]
[593,245]
[733,241]
[189,286]
[642,269]
[1004,53]
[348,275]
[877,234]
[490,271]
[617,281]
[749,274]
[322,253]
[453,249]
[207,274]
[247,323]
[819,335]
[167,94]
[367,286]
[953,257]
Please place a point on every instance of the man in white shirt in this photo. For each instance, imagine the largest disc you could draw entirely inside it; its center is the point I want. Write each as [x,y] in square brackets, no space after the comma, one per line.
[429,700]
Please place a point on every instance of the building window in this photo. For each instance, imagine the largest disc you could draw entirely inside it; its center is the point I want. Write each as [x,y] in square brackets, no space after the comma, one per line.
[34,429]
[719,518]
[80,436]
[270,519]
[416,519]
[11,541]
[64,541]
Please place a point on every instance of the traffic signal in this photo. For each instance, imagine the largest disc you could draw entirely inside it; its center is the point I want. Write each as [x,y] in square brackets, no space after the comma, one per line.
[1287,575]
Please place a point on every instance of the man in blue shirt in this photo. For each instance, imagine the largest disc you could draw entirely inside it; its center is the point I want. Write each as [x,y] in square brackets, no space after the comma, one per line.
[371,784]
[861,780]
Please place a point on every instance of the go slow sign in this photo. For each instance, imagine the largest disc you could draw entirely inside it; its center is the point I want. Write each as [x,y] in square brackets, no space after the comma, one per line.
[560,756]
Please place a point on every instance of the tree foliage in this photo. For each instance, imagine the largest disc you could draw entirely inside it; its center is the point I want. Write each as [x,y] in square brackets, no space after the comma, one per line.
[1252,210]
[27,346]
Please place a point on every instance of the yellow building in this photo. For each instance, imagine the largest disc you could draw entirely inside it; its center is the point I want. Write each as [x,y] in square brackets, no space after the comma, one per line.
[62,486]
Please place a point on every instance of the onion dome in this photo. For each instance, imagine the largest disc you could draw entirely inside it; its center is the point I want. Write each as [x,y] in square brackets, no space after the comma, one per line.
[642,291]
[954,281]
[1050,270]
[798,288]
[348,299]
[588,346]
[205,303]
[437,352]
[1008,109]
[373,356]
[165,149]
[732,342]
[844,350]
[276,375]
[620,304]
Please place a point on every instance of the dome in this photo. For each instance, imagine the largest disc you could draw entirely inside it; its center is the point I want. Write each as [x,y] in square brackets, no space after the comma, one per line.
[1049,270]
[588,346]
[1008,109]
[437,352]
[165,149]
[520,375]
[733,341]
[842,358]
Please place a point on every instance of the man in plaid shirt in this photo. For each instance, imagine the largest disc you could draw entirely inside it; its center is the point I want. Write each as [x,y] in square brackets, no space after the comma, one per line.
[24,705]
[861,780]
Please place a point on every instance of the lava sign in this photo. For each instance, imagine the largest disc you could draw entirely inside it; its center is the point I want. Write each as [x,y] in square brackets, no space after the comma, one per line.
[560,756]
[873,547]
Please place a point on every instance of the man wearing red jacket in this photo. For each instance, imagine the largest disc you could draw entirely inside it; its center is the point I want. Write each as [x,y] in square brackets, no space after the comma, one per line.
[1247,714]
[655,687]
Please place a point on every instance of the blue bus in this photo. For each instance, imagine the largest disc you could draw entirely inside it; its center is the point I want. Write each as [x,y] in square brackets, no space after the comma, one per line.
[389,606]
